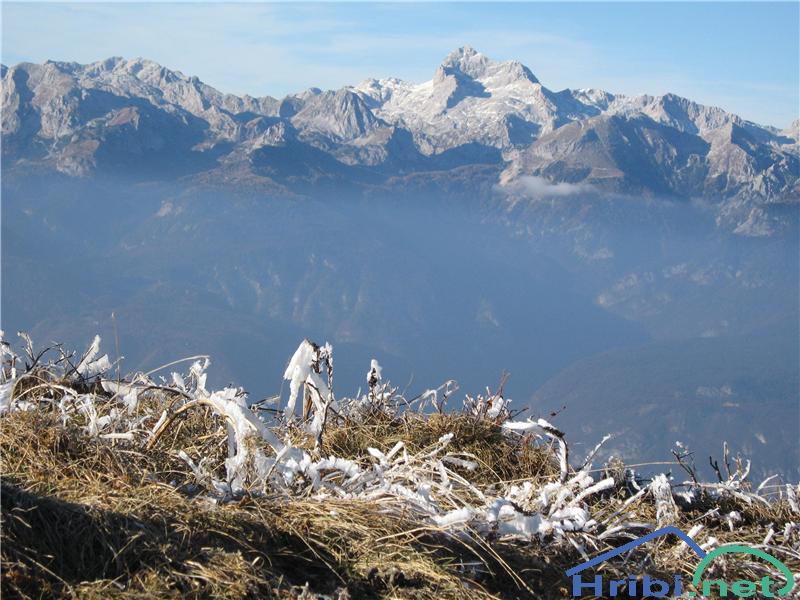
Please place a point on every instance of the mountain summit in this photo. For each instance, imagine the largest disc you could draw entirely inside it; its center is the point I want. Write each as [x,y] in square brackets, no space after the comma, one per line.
[471,63]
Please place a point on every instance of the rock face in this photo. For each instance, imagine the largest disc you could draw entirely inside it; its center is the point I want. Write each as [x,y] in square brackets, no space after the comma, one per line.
[137,118]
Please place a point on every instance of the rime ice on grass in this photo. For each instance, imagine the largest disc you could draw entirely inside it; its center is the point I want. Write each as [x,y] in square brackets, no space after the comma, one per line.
[435,484]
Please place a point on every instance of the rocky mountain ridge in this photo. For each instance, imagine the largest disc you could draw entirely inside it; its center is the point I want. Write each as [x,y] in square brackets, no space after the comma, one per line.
[137,118]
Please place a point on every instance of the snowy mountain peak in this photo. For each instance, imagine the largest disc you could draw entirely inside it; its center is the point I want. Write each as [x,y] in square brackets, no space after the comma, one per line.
[466,60]
[469,62]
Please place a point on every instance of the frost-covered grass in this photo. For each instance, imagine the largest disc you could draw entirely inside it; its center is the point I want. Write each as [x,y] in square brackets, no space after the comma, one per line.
[152,485]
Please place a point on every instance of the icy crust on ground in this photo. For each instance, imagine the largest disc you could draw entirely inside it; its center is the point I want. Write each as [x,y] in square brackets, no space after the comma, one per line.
[432,483]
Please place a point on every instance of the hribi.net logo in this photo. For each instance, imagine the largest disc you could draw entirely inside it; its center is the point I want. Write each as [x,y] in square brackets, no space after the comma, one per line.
[633,586]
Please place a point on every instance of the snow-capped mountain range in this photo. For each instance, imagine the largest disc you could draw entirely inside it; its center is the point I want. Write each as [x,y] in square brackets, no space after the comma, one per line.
[137,118]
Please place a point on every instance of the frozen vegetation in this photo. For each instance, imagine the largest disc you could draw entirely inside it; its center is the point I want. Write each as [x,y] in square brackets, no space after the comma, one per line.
[154,484]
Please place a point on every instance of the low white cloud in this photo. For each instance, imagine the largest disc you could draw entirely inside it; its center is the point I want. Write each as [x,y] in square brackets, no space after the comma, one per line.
[539,187]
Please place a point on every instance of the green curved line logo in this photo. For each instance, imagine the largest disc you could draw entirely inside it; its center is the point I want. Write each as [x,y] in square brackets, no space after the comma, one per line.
[737,549]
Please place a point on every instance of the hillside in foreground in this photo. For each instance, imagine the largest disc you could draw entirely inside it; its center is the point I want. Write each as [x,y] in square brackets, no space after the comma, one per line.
[152,485]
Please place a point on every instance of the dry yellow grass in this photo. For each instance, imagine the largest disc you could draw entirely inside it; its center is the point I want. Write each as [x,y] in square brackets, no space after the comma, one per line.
[92,518]
[88,518]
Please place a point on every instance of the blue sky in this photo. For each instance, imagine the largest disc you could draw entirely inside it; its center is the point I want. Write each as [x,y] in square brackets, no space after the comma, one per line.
[742,57]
